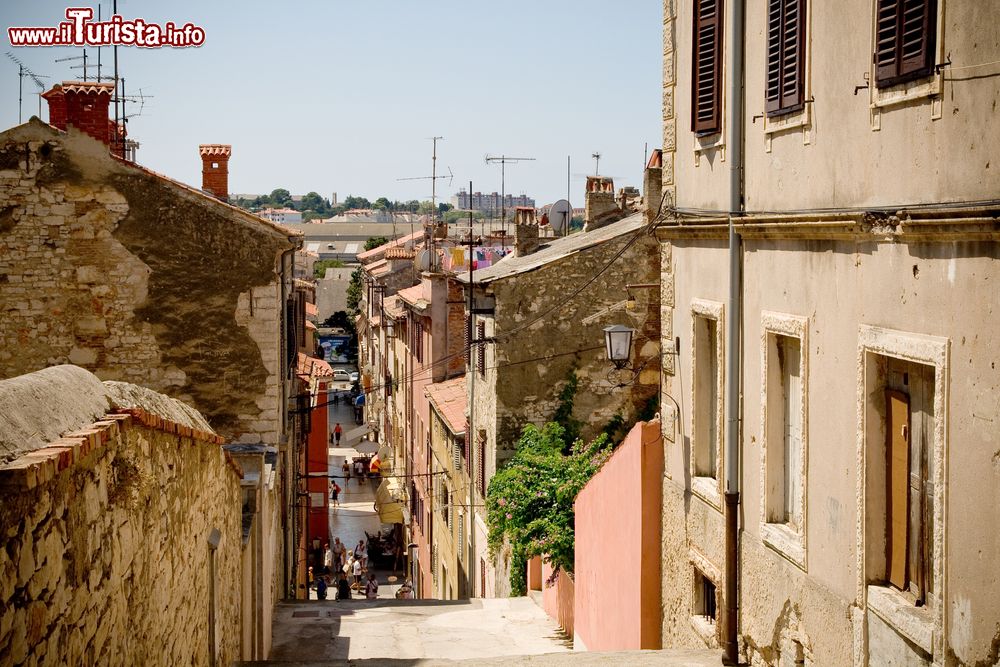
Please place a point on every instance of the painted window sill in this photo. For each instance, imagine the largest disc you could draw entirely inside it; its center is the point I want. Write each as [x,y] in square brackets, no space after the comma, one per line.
[914,623]
[707,488]
[705,627]
[785,541]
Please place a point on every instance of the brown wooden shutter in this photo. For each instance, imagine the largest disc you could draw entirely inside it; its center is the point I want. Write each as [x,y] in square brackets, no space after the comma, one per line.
[468,439]
[482,578]
[905,36]
[706,79]
[481,472]
[785,55]
[897,477]
[468,340]
[481,347]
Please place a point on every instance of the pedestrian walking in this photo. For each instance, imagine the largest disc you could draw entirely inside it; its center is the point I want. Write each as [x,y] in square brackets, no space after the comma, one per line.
[405,591]
[334,494]
[361,554]
[356,569]
[337,431]
[371,589]
[321,588]
[327,559]
[346,469]
[338,550]
[359,470]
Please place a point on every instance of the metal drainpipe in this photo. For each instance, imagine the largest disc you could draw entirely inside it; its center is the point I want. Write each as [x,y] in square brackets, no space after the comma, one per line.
[733,357]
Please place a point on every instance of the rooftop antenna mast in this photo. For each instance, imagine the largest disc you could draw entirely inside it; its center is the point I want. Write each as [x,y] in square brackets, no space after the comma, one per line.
[23,71]
[83,66]
[433,178]
[503,160]
[597,163]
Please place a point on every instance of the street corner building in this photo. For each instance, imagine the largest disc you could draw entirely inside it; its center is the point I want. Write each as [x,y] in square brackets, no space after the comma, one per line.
[829,268]
[140,279]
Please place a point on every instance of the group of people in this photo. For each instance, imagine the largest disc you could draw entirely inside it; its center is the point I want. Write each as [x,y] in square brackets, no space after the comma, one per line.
[360,467]
[349,567]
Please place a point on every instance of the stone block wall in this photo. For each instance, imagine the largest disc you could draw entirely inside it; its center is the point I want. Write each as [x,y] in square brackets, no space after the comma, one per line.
[106,558]
[137,278]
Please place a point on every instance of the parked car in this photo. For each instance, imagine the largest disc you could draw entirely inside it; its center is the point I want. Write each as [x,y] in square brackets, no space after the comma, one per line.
[340,375]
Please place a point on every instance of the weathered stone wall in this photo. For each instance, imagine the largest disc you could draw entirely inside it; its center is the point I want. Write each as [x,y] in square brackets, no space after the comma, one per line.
[137,278]
[563,341]
[107,555]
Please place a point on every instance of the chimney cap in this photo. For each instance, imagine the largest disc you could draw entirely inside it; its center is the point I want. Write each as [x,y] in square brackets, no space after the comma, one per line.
[215,150]
[85,87]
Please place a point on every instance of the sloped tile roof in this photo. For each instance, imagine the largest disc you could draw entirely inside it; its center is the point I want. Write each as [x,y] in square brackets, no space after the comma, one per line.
[449,400]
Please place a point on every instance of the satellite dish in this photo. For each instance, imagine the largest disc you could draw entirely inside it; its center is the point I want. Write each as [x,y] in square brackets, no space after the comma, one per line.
[560,216]
[424,260]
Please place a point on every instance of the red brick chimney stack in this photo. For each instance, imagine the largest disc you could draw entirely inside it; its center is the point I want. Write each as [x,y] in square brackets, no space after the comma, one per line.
[82,104]
[215,169]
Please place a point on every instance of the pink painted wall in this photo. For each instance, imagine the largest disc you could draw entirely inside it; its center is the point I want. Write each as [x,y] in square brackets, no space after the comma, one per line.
[558,600]
[617,568]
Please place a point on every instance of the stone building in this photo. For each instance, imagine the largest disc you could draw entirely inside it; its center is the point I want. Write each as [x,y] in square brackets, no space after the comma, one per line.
[139,278]
[123,527]
[538,318]
[854,436]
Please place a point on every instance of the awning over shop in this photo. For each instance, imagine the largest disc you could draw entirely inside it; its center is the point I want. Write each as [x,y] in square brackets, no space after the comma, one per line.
[388,501]
[385,456]
[367,447]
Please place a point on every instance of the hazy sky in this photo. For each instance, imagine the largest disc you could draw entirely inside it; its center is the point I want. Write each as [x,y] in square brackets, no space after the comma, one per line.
[342,96]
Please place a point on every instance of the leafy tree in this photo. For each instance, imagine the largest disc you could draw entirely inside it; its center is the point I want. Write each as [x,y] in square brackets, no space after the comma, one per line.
[354,292]
[425,207]
[341,319]
[444,208]
[320,267]
[356,202]
[382,204]
[313,202]
[375,242]
[281,197]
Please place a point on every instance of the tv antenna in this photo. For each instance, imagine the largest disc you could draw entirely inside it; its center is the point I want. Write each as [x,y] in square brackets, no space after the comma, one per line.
[433,178]
[23,71]
[597,163]
[72,58]
[503,160]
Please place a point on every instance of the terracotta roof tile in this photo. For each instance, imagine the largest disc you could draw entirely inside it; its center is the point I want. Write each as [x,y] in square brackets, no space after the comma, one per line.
[449,400]
[312,367]
[412,295]
[220,150]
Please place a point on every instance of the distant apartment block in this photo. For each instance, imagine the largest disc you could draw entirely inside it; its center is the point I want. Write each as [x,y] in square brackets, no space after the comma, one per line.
[281,215]
[488,203]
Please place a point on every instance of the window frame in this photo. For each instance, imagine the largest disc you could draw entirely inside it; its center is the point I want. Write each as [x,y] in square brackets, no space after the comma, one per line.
[708,488]
[788,539]
[924,626]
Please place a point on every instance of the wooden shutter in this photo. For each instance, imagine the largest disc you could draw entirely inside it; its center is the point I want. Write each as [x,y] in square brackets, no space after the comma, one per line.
[897,485]
[481,472]
[706,79]
[786,22]
[482,578]
[468,340]
[481,347]
[468,439]
[905,34]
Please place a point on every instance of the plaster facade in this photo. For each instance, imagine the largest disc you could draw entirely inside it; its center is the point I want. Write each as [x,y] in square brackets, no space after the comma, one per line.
[853,246]
[536,336]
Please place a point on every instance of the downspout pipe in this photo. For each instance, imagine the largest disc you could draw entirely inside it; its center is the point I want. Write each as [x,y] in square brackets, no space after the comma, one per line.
[735,68]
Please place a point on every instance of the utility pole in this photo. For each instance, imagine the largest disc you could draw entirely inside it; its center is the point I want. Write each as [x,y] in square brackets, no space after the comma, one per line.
[597,163]
[503,160]
[470,428]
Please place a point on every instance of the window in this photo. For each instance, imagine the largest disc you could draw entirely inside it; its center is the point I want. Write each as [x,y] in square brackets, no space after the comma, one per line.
[445,505]
[905,32]
[707,408]
[783,428]
[902,456]
[705,602]
[706,79]
[481,348]
[786,21]
[909,401]
[481,455]
[482,578]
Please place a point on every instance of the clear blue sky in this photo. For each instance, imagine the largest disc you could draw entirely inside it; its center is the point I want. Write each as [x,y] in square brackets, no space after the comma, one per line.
[342,96]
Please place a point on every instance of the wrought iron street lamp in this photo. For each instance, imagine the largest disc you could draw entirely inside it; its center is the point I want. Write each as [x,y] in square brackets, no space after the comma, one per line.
[618,343]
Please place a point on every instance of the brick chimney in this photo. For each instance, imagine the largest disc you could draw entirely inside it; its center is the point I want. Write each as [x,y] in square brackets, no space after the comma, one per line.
[82,104]
[600,207]
[215,169]
[525,231]
[652,184]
